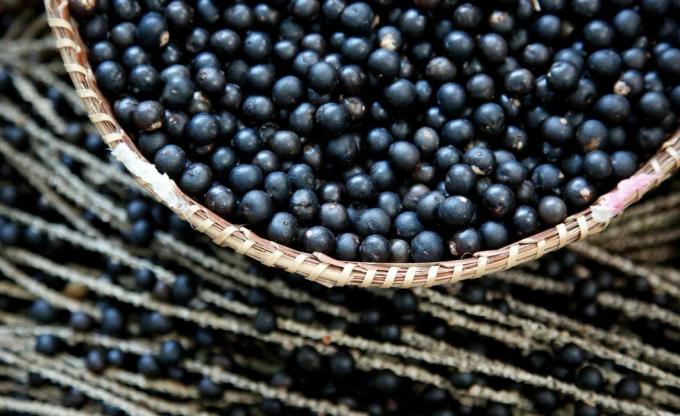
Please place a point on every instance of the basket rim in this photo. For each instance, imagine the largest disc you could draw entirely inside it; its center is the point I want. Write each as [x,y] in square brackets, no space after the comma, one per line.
[319,267]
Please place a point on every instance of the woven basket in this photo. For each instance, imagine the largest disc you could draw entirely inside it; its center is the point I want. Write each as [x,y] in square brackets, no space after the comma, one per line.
[316,266]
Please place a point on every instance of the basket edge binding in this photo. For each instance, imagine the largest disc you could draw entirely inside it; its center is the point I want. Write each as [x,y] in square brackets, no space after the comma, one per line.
[318,267]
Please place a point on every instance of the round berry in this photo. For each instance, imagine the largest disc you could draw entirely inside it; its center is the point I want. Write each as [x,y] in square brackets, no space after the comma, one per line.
[499,200]
[456,211]
[196,179]
[465,242]
[427,246]
[552,210]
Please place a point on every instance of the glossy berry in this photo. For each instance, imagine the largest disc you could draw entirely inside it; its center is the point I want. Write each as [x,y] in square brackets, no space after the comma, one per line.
[112,77]
[256,206]
[628,388]
[456,211]
[498,200]
[579,193]
[332,118]
[464,242]
[525,220]
[221,200]
[265,321]
[552,210]
[427,246]
[490,119]
[196,179]
[374,248]
[148,115]
[203,128]
[282,228]
[318,239]
[589,378]
[563,76]
[494,235]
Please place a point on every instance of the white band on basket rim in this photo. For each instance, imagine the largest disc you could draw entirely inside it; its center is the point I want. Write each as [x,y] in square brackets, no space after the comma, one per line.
[161,184]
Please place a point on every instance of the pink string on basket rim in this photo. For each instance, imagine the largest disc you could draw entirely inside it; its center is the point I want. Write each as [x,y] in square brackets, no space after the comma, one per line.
[614,202]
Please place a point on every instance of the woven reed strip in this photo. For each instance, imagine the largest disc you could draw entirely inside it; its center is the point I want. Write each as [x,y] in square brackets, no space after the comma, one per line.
[33,407]
[544,334]
[627,266]
[629,344]
[318,267]
[41,105]
[39,365]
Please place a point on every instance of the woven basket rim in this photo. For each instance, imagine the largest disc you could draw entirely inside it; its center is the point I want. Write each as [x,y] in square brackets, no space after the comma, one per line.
[319,267]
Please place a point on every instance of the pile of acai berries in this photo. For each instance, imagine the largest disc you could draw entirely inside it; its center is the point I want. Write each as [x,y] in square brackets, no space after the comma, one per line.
[390,131]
